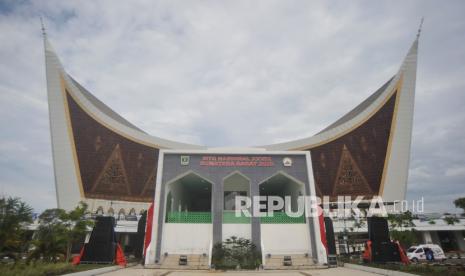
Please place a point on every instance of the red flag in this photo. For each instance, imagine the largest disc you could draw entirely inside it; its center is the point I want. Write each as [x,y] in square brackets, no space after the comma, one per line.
[403,256]
[323,231]
[77,259]
[148,228]
[120,259]
[367,254]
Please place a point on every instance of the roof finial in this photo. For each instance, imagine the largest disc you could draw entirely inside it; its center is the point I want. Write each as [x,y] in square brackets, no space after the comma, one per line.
[43,27]
[419,28]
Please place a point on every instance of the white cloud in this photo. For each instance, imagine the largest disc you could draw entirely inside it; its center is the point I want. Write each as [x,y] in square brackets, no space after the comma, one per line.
[456,172]
[231,73]
[420,173]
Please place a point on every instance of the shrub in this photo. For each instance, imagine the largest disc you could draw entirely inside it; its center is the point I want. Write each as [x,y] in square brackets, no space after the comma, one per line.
[406,238]
[236,252]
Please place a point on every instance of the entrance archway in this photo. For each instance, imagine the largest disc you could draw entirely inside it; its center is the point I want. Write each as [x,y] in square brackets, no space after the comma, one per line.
[284,232]
[234,185]
[288,189]
[189,200]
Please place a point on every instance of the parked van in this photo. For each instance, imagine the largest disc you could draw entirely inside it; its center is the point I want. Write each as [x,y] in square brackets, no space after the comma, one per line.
[425,252]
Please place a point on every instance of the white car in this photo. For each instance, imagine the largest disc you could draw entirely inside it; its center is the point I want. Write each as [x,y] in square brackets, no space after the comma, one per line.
[420,252]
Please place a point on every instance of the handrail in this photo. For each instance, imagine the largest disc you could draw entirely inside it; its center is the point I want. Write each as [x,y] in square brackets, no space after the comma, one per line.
[210,250]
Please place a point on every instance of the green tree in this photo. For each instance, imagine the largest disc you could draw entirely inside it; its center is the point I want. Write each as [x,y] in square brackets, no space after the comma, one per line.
[460,203]
[14,214]
[400,220]
[358,222]
[397,224]
[57,232]
[406,238]
[450,220]
[77,222]
[50,238]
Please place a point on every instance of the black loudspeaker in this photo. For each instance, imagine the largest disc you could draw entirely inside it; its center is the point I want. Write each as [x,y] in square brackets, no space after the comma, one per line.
[382,249]
[101,247]
[378,230]
[139,238]
[383,252]
[330,240]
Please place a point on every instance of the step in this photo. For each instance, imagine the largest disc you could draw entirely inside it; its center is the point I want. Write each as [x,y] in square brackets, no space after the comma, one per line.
[194,261]
[298,262]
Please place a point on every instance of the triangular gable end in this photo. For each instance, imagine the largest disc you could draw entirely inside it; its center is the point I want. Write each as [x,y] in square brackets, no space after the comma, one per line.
[113,177]
[349,178]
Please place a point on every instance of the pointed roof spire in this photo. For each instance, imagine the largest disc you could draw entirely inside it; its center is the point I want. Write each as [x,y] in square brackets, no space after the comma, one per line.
[43,27]
[47,46]
[419,28]
[412,52]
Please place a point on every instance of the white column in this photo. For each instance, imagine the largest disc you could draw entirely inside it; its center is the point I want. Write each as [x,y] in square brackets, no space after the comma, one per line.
[427,237]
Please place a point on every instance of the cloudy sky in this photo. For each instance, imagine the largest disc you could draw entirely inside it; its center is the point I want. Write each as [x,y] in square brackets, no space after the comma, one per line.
[233,73]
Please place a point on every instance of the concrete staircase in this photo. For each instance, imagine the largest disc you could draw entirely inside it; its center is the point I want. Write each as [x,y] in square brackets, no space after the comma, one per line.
[298,262]
[194,261]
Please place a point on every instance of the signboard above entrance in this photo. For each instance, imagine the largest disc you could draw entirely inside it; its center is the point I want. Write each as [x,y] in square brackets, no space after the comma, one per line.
[236,161]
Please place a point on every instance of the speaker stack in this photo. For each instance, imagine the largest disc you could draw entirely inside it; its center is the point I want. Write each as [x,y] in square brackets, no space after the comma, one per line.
[101,247]
[139,240]
[330,242]
[382,249]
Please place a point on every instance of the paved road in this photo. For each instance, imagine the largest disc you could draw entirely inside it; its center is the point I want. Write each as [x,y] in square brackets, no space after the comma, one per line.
[139,271]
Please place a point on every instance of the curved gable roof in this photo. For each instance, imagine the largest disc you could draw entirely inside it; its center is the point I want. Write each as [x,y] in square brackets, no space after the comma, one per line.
[359,108]
[103,107]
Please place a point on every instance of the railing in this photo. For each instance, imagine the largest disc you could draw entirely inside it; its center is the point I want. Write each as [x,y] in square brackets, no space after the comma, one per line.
[189,217]
[230,218]
[282,218]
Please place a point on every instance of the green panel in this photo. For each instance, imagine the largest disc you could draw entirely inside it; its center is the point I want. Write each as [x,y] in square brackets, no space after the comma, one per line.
[189,217]
[281,218]
[230,217]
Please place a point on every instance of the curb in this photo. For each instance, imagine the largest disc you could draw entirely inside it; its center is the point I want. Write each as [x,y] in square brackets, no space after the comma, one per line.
[377,270]
[96,271]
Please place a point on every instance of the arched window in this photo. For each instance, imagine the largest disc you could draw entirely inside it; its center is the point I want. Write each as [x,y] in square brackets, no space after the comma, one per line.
[132,212]
[111,212]
[235,184]
[289,190]
[99,211]
[121,214]
[141,212]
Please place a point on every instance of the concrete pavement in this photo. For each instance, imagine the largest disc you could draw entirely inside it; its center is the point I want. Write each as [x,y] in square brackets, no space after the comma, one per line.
[140,271]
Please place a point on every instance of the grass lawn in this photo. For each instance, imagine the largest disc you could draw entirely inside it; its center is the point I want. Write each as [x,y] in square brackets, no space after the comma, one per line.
[426,270]
[46,269]
[418,269]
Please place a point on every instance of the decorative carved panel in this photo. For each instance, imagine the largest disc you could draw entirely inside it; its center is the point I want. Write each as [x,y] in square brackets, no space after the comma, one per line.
[112,166]
[349,178]
[113,177]
[366,148]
